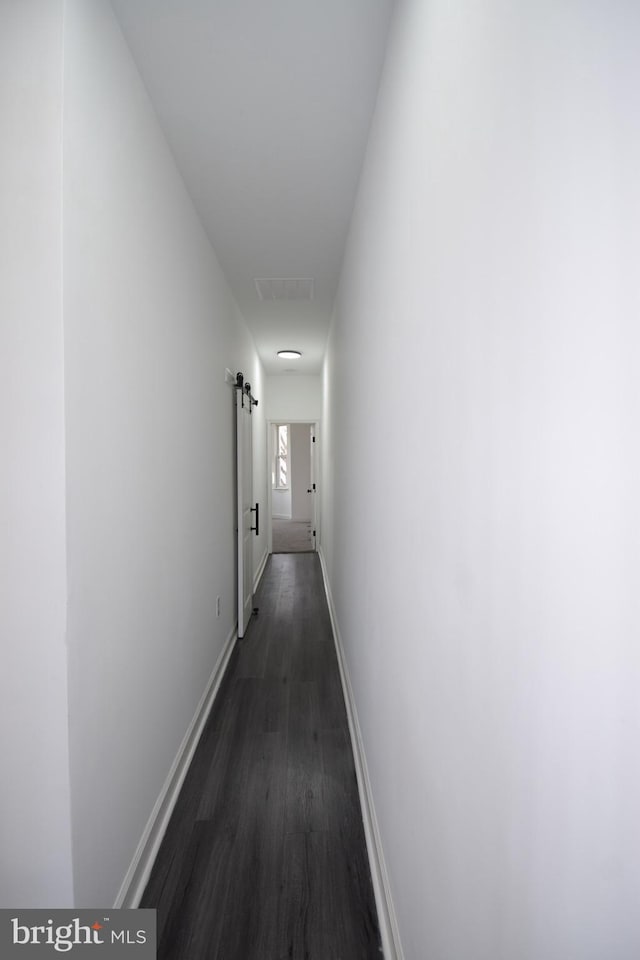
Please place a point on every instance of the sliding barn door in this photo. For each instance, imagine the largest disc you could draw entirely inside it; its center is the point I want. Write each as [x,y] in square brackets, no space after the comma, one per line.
[246,509]
[313,471]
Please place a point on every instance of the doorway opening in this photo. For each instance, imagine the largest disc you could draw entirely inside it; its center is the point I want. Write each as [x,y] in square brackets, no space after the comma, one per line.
[293,487]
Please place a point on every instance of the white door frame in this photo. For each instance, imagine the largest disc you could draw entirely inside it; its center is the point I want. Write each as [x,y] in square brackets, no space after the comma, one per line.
[270,454]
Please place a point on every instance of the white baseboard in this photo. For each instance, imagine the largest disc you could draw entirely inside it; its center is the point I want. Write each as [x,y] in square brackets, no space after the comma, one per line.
[387,920]
[258,576]
[281,516]
[137,875]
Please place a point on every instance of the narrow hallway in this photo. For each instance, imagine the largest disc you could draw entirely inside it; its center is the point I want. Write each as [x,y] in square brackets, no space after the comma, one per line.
[265,854]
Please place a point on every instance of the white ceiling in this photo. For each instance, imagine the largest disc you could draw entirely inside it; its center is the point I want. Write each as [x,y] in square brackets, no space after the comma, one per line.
[267,105]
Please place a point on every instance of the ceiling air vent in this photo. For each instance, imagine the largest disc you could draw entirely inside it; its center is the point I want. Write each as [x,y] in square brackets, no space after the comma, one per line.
[284,288]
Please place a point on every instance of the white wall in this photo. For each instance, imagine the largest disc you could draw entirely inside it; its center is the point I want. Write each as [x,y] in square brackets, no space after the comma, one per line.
[281,503]
[35,859]
[293,397]
[149,328]
[488,313]
[300,471]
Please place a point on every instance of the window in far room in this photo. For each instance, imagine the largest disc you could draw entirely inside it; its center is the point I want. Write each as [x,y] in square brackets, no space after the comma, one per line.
[280,468]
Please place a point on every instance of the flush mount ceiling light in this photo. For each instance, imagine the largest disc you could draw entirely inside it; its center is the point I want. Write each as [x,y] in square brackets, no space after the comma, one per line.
[289,354]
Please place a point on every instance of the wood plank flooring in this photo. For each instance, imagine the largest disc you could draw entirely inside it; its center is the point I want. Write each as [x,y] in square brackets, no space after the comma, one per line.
[265,857]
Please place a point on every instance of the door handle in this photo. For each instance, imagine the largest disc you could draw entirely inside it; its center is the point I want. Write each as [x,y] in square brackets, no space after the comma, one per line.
[256,510]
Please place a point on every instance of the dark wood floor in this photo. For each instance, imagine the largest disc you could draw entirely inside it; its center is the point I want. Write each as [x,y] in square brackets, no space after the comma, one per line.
[265,857]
